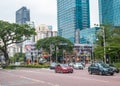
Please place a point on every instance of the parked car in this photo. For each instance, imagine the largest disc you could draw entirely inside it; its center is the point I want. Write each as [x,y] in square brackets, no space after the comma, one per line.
[71,64]
[78,65]
[52,65]
[63,68]
[100,68]
[42,60]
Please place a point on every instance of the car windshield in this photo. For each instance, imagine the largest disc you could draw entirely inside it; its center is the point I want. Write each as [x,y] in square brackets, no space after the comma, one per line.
[78,64]
[53,64]
[104,65]
[64,65]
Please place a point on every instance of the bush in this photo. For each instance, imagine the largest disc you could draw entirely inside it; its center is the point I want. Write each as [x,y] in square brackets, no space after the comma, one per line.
[27,66]
[9,67]
[117,65]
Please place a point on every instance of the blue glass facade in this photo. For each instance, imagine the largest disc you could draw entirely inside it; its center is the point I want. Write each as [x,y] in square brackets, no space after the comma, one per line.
[88,36]
[22,15]
[72,15]
[109,12]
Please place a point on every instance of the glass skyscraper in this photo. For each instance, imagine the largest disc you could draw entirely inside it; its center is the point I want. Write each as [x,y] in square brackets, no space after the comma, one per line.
[72,16]
[22,15]
[88,36]
[109,12]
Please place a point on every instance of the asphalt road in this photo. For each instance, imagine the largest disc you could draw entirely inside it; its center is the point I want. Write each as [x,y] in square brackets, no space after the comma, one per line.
[47,77]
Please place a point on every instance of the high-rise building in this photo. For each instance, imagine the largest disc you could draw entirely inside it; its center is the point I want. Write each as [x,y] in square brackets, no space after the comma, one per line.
[73,16]
[88,36]
[109,12]
[22,15]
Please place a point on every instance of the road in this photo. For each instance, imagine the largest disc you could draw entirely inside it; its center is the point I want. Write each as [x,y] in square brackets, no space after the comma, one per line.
[47,77]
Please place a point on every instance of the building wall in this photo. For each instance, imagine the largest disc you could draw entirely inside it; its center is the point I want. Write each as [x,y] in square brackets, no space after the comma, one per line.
[72,15]
[44,31]
[88,36]
[22,15]
[12,49]
[109,12]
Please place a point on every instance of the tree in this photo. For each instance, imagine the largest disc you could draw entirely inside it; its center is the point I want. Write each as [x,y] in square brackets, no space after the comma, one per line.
[12,33]
[57,42]
[103,33]
[112,41]
[114,44]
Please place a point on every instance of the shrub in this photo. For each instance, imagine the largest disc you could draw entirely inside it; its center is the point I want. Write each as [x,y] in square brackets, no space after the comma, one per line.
[117,65]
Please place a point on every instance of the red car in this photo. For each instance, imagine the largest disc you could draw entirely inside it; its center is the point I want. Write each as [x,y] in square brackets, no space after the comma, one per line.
[63,68]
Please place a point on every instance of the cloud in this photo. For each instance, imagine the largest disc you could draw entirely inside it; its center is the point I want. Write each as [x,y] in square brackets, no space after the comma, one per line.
[41,11]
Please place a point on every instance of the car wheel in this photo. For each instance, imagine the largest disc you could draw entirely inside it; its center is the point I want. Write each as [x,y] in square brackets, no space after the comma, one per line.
[112,74]
[117,71]
[90,72]
[71,71]
[100,73]
[61,71]
[55,71]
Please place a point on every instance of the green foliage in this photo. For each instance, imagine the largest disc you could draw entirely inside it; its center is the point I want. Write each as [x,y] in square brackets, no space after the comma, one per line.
[117,65]
[9,67]
[36,66]
[57,44]
[27,66]
[55,41]
[46,42]
[12,33]
[112,41]
[17,58]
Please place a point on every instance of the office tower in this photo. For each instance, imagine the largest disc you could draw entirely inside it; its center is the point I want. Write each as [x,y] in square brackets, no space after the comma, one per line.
[72,16]
[88,36]
[22,15]
[109,12]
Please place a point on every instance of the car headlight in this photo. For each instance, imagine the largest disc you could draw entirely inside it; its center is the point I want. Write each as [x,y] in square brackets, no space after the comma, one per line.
[64,68]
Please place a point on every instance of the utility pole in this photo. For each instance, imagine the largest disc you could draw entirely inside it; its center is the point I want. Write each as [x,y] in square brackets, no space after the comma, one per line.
[104,40]
[104,43]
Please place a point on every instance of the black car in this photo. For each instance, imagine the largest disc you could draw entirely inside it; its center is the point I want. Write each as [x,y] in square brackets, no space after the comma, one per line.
[100,68]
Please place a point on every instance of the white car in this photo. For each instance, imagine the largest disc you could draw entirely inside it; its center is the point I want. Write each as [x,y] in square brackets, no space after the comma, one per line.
[78,65]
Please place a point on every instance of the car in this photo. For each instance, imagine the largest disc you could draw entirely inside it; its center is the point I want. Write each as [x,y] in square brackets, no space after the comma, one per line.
[100,68]
[78,65]
[71,64]
[52,65]
[116,70]
[42,60]
[63,68]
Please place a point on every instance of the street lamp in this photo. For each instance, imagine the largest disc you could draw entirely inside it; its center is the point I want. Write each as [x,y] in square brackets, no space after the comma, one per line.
[104,41]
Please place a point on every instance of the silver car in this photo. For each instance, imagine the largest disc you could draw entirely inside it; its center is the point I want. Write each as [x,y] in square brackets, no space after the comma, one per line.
[78,65]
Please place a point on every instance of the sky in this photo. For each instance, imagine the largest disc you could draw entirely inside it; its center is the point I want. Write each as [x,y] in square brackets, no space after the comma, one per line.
[41,11]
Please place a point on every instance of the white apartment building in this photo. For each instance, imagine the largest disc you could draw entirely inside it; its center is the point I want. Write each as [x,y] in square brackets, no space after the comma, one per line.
[44,31]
